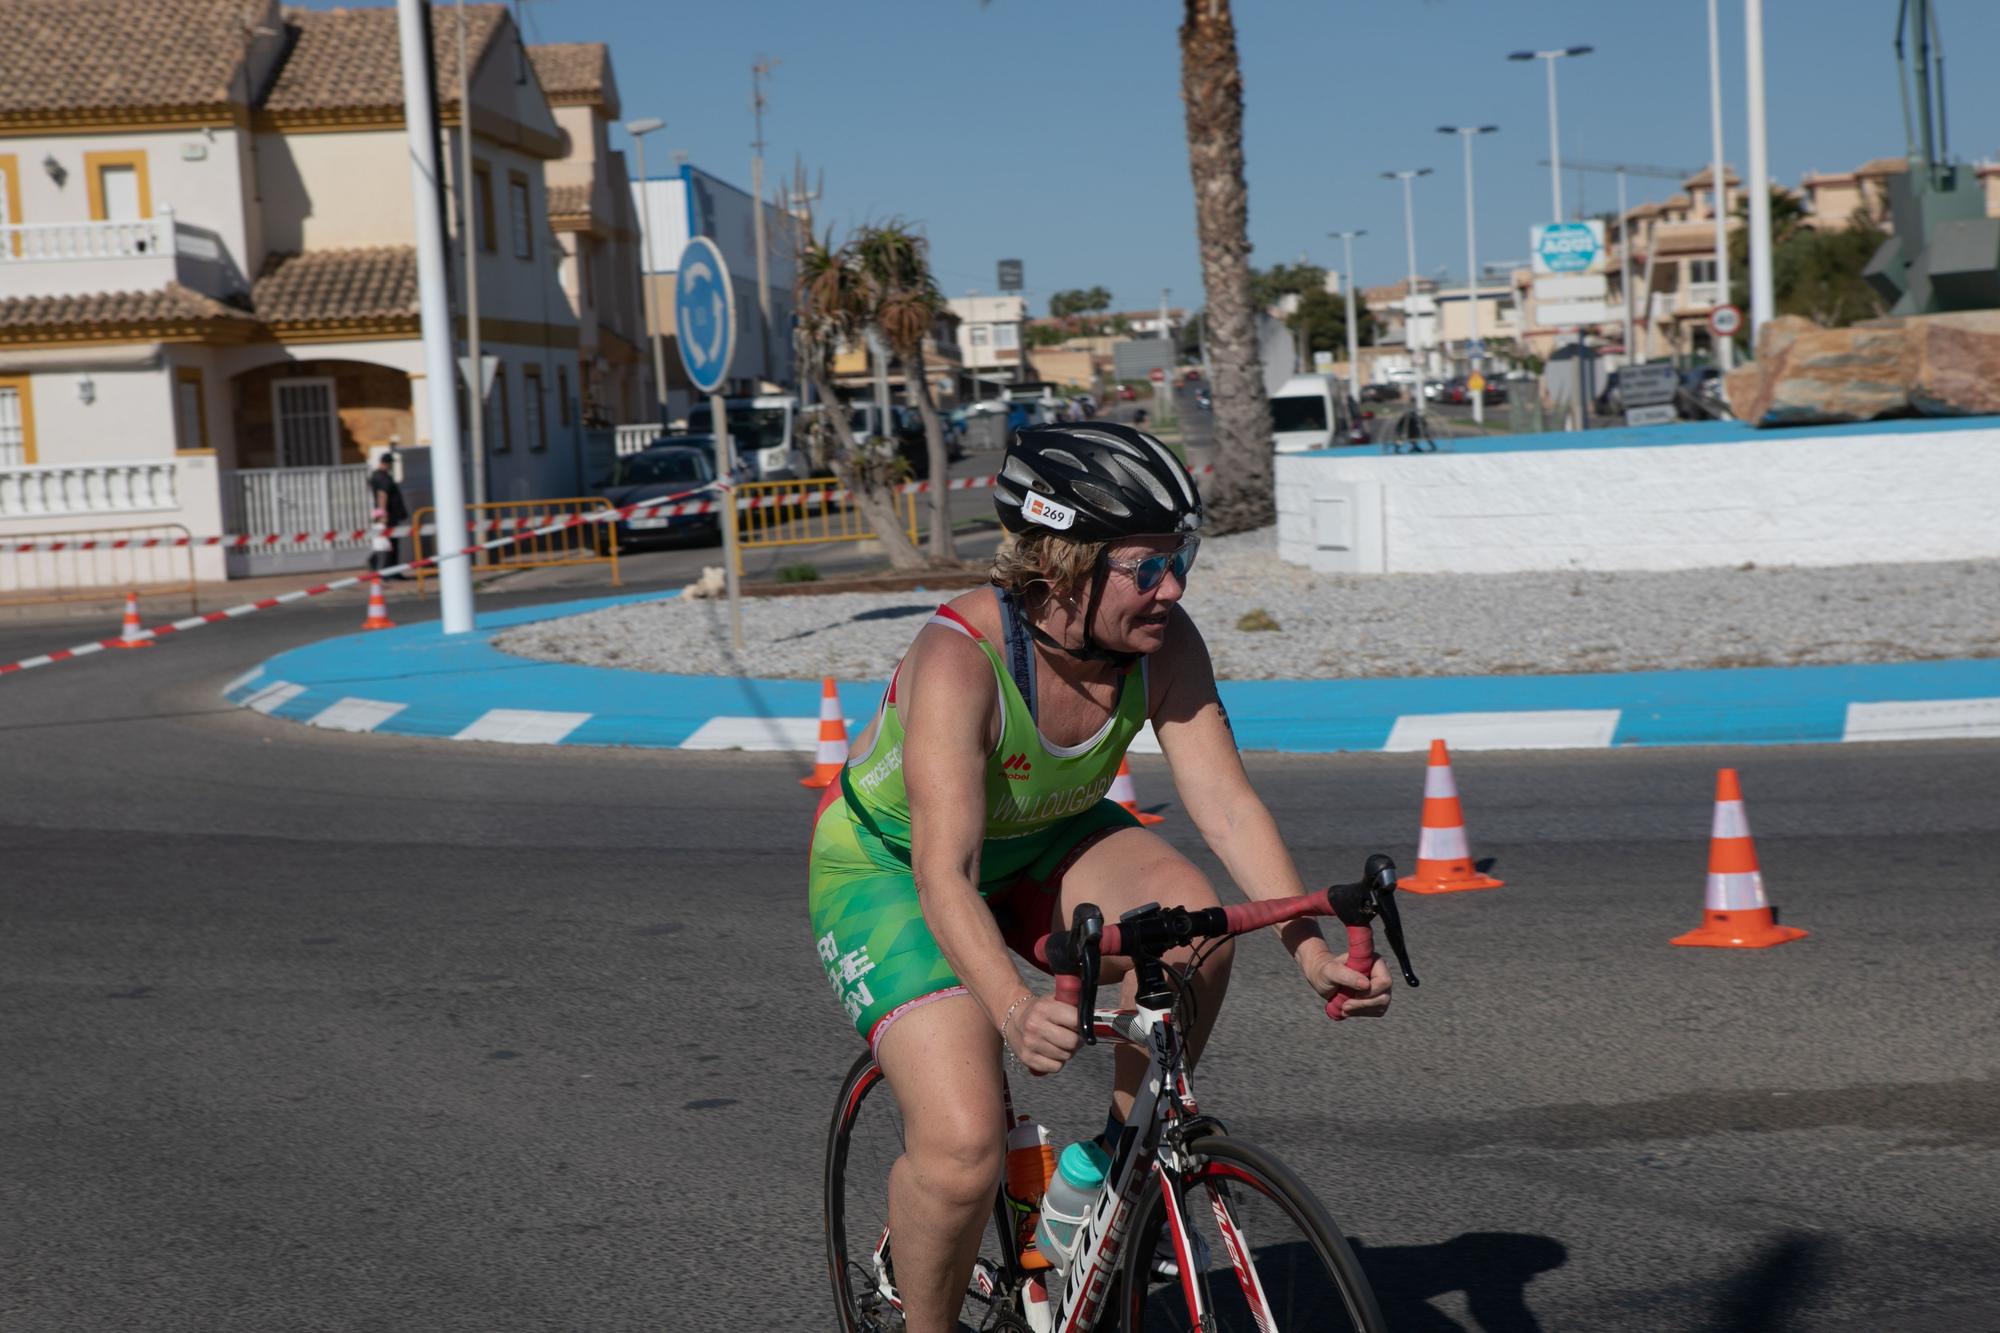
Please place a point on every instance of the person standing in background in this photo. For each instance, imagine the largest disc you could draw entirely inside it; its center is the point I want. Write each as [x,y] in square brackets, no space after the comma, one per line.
[389,512]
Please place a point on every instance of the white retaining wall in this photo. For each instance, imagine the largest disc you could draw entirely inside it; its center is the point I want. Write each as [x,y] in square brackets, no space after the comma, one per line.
[1705,495]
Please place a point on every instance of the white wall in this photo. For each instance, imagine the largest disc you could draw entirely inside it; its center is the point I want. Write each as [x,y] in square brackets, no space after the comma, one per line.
[1848,495]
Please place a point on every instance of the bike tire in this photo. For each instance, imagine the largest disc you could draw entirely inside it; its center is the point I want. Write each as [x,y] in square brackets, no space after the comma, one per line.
[1296,1261]
[863,1141]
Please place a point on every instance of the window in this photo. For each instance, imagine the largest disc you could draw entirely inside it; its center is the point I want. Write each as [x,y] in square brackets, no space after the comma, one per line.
[500,431]
[562,394]
[17,422]
[120,189]
[519,218]
[1701,270]
[532,407]
[482,196]
[10,195]
[1006,336]
[979,335]
[190,413]
[308,429]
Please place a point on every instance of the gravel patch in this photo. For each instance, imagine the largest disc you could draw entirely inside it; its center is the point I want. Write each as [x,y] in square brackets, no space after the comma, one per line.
[1334,626]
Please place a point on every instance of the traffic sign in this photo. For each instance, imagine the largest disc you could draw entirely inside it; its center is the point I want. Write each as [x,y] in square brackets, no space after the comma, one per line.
[1647,386]
[1476,383]
[1658,414]
[1567,247]
[1725,321]
[1157,375]
[704,314]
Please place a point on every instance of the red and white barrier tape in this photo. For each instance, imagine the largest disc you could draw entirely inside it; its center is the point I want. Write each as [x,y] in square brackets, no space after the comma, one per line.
[568,521]
[517,524]
[266,603]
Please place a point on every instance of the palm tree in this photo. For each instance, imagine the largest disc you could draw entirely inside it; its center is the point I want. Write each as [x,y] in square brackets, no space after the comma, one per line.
[835,306]
[905,306]
[1212,91]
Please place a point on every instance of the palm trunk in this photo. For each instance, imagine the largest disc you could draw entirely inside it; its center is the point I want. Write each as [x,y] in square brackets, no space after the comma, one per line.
[943,547]
[871,484]
[1212,90]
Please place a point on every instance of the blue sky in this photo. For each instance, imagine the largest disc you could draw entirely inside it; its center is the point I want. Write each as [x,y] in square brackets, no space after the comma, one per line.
[1051,130]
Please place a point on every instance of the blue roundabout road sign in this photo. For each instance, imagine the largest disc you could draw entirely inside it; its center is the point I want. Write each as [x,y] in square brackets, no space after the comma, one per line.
[704,314]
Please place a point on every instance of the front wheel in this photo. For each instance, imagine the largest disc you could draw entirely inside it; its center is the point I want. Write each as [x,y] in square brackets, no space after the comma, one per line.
[1260,1253]
[864,1141]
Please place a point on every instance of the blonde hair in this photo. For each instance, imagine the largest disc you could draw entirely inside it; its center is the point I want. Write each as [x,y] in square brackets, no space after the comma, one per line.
[1046,560]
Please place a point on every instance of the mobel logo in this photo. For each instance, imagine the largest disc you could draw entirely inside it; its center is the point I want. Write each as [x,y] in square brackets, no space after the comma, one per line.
[1017,767]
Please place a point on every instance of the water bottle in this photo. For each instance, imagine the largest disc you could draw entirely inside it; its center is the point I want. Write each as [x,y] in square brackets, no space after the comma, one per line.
[1073,1190]
[1030,1163]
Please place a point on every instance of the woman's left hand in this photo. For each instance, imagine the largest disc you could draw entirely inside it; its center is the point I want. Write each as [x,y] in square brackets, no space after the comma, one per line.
[1330,975]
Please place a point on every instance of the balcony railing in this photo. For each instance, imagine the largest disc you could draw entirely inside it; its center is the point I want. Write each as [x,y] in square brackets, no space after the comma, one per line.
[144,251]
[48,491]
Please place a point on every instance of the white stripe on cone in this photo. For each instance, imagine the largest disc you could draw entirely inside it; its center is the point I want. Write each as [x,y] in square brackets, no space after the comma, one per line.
[1439,782]
[1740,892]
[1731,820]
[1442,844]
[829,709]
[1122,790]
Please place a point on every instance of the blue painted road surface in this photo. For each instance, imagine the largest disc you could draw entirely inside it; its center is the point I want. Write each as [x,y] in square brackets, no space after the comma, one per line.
[414,681]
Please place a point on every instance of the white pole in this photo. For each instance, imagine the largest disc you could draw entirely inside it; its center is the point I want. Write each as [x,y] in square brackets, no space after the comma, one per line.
[1353,334]
[1725,348]
[725,458]
[1625,269]
[468,236]
[447,482]
[1472,286]
[651,292]
[1555,142]
[1763,304]
[1410,281]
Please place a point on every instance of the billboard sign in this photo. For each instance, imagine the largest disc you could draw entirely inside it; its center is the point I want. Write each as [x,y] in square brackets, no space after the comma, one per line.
[1567,247]
[1010,275]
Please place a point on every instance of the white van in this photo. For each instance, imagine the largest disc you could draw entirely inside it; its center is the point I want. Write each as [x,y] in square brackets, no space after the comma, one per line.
[764,432]
[1313,412]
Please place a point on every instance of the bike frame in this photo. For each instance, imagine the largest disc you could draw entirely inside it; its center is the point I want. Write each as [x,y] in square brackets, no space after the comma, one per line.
[1148,1154]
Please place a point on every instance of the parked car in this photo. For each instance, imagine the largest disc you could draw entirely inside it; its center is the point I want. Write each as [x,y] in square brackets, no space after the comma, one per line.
[1126,393]
[1381,393]
[1433,390]
[674,464]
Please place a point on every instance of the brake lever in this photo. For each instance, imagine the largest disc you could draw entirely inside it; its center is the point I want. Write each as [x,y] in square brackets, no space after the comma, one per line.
[1381,879]
[1089,928]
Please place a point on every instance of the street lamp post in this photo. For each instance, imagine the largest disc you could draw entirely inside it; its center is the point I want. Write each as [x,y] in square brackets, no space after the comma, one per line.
[1549,58]
[1763,304]
[1466,134]
[1346,239]
[1410,281]
[639,129]
[1725,348]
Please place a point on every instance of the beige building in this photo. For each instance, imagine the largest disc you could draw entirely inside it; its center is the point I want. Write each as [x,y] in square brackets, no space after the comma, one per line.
[208,308]
[590,211]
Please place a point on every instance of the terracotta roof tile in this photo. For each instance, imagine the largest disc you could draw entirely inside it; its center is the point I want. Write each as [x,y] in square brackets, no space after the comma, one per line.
[349,59]
[336,286]
[1883,166]
[571,67]
[1699,181]
[569,201]
[173,304]
[72,55]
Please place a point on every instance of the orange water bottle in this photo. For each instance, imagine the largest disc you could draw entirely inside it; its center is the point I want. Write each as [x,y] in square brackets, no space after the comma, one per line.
[1031,1161]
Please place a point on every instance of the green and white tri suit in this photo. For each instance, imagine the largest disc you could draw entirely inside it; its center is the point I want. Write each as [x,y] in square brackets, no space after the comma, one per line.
[1042,803]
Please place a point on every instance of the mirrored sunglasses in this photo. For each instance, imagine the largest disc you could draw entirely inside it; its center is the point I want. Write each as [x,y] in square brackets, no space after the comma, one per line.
[1147,574]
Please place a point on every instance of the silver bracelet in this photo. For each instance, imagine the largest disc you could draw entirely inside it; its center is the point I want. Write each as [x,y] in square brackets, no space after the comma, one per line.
[1020,1000]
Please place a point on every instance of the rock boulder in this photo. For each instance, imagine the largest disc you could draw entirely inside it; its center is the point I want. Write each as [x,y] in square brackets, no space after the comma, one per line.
[1920,365]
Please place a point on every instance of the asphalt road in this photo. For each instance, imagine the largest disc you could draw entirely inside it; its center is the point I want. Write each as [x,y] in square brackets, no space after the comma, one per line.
[326,1031]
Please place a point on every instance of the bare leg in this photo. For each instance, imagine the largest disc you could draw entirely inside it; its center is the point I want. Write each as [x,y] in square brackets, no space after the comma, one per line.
[1128,869]
[943,1063]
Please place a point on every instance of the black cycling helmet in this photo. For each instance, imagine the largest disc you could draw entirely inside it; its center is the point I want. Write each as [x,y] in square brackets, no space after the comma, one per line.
[1094,481]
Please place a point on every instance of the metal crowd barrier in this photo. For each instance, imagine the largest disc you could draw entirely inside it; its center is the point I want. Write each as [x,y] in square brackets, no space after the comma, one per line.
[802,513]
[583,544]
[114,564]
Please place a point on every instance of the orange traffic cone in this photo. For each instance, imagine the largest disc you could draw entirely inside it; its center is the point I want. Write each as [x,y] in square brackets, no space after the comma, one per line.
[1126,795]
[132,634]
[378,608]
[832,754]
[1737,914]
[1444,863]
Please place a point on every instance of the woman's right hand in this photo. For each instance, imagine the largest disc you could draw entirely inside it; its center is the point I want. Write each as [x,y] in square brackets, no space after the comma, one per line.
[1042,1034]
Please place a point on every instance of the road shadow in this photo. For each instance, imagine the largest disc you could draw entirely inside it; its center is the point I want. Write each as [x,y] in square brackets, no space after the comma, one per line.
[1492,1268]
[1767,1295]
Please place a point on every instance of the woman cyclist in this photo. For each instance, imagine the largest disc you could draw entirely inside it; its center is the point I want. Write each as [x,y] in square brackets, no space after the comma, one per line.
[971,817]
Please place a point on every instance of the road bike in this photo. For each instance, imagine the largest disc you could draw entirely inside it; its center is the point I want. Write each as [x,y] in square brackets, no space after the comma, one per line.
[1193,1229]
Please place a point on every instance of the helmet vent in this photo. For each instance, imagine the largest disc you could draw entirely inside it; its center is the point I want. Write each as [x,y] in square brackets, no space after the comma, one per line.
[1065,457]
[1141,477]
[1103,499]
